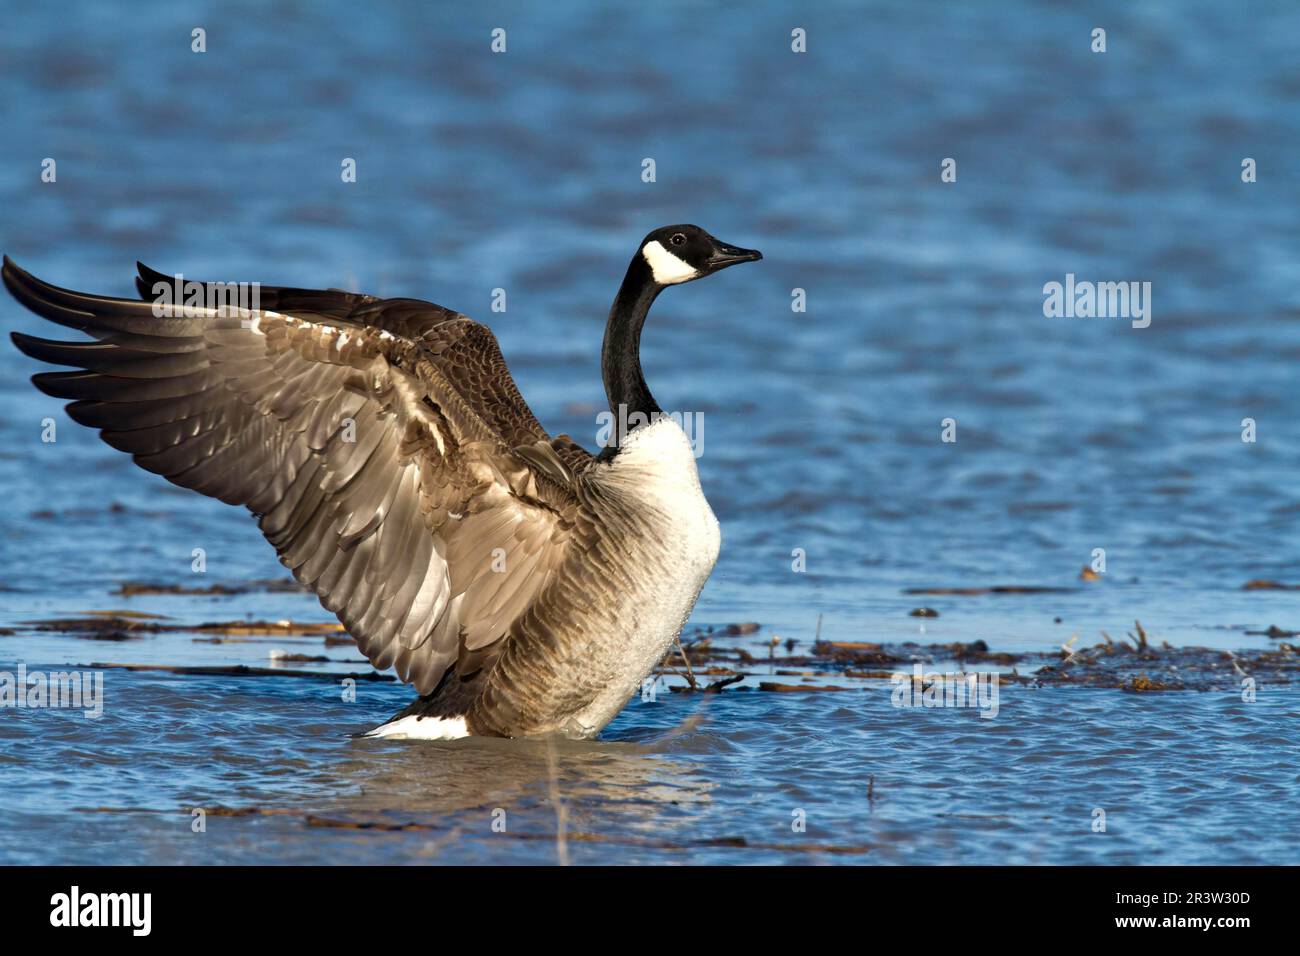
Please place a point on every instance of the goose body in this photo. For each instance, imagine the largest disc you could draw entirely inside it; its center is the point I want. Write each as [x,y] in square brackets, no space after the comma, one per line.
[520,584]
[650,489]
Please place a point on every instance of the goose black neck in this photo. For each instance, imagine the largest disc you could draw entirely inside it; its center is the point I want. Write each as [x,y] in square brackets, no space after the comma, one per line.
[620,360]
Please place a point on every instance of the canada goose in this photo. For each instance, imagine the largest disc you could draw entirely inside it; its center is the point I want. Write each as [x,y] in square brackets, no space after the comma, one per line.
[520,584]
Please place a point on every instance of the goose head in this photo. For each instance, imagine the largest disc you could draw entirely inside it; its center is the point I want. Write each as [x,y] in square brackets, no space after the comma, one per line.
[682,253]
[667,256]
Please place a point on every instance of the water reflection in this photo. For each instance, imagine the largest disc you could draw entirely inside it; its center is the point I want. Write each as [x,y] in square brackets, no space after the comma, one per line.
[632,781]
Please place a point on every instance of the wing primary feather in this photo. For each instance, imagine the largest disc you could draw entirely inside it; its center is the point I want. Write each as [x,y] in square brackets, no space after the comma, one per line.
[396,531]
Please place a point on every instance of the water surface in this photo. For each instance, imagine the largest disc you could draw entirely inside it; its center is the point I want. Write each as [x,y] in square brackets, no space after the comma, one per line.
[924,301]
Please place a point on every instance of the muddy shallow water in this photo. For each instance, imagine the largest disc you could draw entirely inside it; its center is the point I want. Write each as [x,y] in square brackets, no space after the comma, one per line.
[822,435]
[808,759]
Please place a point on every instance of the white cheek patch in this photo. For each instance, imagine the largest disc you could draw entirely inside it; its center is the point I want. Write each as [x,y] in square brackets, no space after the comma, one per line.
[667,268]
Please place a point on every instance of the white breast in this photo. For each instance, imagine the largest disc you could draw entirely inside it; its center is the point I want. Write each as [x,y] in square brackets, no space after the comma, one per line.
[657,465]
[655,471]
[660,453]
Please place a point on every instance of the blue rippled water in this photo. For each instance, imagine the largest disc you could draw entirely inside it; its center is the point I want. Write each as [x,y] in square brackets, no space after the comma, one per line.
[522,171]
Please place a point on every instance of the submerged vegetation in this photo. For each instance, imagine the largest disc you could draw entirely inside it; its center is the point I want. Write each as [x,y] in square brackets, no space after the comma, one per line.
[732,658]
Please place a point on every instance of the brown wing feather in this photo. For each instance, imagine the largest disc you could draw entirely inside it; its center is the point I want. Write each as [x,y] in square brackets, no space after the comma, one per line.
[382,465]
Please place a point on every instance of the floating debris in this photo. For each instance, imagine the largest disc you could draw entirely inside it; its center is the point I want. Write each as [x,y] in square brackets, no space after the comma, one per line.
[113,508]
[131,590]
[277,654]
[240,670]
[274,585]
[262,628]
[97,623]
[995,589]
[1275,632]
[713,688]
[857,652]
[705,664]
[1140,666]
[1143,683]
[135,624]
[1134,664]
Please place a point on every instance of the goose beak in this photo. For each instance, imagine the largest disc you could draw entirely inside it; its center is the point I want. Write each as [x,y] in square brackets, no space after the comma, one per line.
[724,255]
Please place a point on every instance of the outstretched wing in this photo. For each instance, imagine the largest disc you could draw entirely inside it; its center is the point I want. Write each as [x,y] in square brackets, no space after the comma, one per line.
[382,444]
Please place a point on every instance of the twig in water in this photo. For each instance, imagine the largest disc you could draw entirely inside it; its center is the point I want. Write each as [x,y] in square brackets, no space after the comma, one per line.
[717,685]
[690,674]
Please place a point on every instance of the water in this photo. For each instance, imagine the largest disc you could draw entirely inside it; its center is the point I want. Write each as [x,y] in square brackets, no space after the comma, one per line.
[522,172]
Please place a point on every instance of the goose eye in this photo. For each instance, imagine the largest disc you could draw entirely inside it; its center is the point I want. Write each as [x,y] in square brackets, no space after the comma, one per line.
[678,239]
